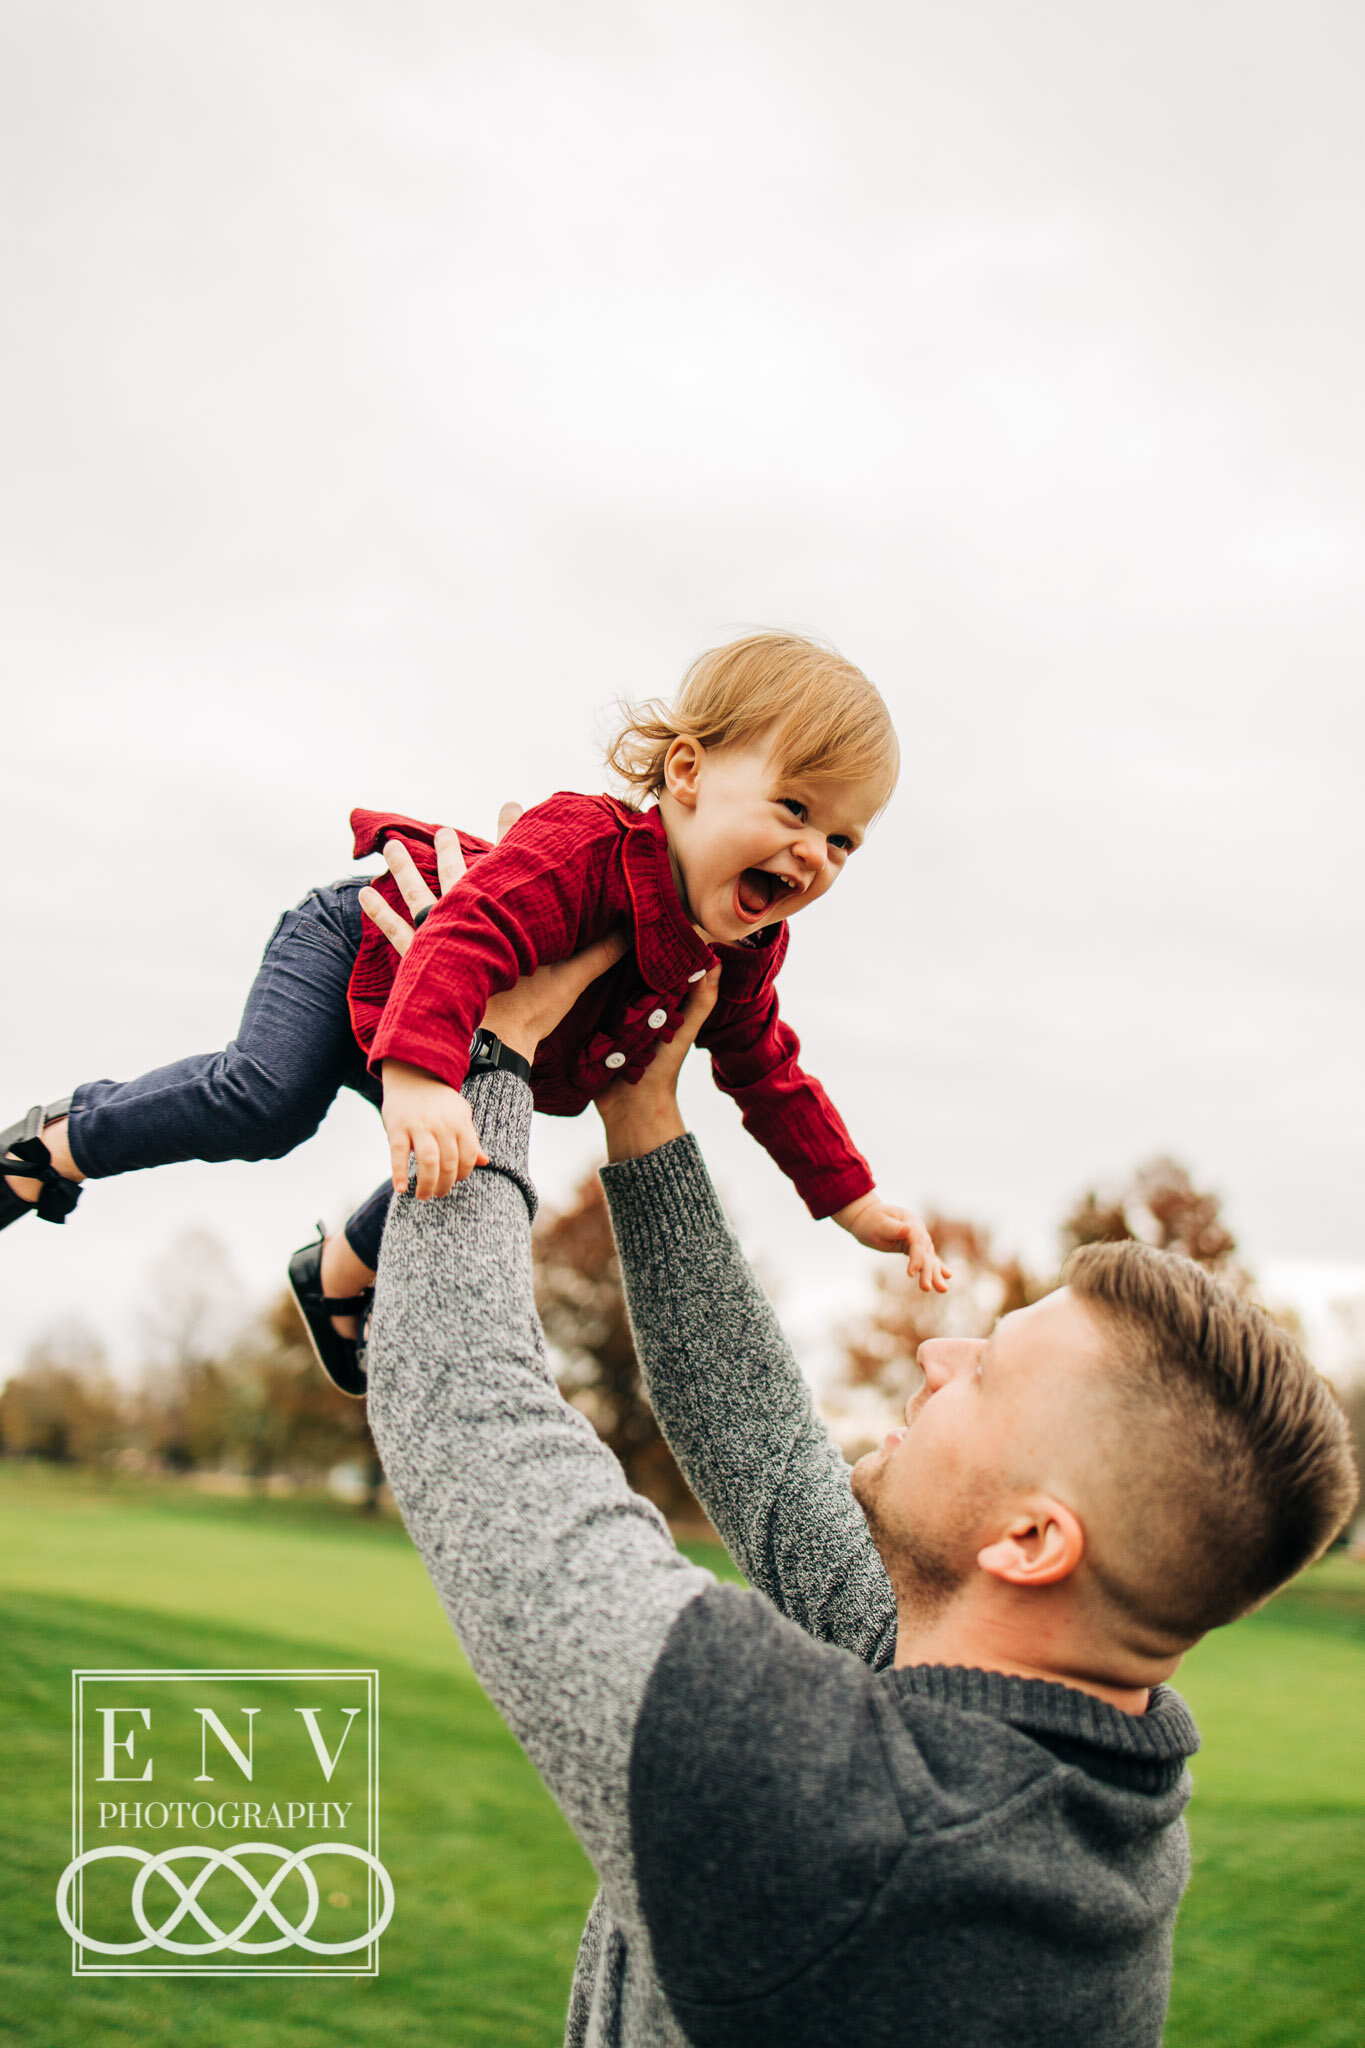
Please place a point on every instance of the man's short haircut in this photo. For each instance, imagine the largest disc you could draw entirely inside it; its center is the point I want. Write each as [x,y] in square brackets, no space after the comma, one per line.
[1239,1463]
[828,719]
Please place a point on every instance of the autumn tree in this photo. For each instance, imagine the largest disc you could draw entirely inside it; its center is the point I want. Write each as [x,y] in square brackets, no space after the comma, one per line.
[224,1389]
[284,1414]
[1158,1204]
[879,1351]
[62,1404]
[582,1305]
[192,1315]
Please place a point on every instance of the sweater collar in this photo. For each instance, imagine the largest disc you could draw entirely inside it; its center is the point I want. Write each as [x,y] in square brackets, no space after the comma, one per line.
[1040,1707]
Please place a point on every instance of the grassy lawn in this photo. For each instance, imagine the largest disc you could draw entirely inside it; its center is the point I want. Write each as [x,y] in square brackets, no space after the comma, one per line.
[491,1887]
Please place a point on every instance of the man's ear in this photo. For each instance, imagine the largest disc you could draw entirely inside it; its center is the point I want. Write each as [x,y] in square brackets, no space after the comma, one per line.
[1041,1545]
[682,771]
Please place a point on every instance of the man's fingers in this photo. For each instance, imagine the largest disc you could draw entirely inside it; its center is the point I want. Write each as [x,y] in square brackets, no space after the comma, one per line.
[396,929]
[450,867]
[700,1004]
[404,870]
[668,1060]
[507,818]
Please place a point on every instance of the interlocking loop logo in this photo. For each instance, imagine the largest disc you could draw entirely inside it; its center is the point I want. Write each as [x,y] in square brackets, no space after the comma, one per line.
[264,1896]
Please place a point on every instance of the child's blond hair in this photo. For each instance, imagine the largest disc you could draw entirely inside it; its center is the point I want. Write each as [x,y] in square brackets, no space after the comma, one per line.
[827,718]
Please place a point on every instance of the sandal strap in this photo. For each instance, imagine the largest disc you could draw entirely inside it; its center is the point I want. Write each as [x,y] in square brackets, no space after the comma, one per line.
[347,1304]
[27,1158]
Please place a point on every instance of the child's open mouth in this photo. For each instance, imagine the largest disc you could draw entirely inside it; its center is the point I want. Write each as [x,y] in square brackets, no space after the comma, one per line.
[755,893]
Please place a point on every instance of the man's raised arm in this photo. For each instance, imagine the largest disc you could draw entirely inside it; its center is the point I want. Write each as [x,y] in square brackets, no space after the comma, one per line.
[562,1585]
[722,1379]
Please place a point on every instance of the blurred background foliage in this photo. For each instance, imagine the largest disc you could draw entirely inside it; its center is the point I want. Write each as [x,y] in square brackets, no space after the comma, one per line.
[236,1399]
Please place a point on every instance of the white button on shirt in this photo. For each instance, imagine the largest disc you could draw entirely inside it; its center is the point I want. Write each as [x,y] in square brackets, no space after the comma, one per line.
[698,975]
[657,1018]
[614,1060]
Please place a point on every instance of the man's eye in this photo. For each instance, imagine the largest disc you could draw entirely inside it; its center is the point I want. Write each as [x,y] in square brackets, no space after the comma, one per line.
[798,810]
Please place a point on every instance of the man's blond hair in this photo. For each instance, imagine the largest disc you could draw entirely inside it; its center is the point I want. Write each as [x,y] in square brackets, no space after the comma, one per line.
[1236,1467]
[826,718]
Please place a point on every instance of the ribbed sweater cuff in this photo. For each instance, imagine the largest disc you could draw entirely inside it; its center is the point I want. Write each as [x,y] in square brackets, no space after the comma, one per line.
[664,1197]
[501,1105]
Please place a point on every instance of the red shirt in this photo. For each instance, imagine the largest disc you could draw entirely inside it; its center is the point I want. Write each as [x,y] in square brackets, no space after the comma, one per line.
[569,871]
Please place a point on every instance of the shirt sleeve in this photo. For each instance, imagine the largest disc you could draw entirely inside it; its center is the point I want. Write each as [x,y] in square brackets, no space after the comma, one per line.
[550,887]
[561,1583]
[755,1056]
[735,1408]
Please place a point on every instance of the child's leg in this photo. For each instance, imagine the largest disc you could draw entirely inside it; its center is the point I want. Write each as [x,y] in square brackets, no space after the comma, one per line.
[350,1260]
[266,1091]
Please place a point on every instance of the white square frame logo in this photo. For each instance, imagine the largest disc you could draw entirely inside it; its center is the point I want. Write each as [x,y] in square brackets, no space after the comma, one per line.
[356,1957]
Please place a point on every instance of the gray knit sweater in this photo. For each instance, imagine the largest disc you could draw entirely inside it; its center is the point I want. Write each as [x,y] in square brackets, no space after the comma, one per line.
[797,1844]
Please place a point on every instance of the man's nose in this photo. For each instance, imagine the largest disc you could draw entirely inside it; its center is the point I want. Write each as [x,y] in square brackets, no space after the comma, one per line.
[940,1359]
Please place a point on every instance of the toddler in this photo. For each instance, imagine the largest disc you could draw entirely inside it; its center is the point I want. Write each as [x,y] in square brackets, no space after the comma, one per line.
[765,775]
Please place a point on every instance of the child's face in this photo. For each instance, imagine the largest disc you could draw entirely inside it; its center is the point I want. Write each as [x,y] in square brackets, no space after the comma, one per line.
[751,846]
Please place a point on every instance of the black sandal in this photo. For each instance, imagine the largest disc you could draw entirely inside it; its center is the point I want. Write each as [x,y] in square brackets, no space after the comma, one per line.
[341,1358]
[23,1154]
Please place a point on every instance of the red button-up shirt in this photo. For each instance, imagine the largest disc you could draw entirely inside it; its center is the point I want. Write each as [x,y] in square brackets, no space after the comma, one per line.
[570,870]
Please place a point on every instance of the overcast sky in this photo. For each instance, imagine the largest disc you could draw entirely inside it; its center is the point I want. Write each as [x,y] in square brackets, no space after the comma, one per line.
[388,388]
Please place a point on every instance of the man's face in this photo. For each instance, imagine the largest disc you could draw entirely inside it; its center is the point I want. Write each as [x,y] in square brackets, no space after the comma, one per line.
[758,846]
[996,1419]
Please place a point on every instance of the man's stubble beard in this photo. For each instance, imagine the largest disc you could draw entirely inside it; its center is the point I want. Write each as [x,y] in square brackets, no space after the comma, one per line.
[924,1577]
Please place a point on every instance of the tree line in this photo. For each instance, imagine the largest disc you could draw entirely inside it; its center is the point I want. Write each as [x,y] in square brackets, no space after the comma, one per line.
[250,1399]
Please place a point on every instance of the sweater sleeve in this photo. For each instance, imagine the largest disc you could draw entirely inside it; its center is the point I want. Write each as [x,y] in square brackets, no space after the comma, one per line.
[737,1413]
[550,887]
[755,1056]
[561,1583]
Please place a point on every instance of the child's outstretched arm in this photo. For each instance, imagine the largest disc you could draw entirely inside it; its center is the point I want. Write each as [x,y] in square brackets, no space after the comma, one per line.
[755,1057]
[884,1227]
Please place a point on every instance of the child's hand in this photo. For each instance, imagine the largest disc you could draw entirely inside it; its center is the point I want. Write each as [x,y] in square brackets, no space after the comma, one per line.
[423,1115]
[884,1228]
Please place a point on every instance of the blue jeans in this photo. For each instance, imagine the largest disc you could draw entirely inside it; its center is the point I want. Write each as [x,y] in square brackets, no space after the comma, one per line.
[270,1086]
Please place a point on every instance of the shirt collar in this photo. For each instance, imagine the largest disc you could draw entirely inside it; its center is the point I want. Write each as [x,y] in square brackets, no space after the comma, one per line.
[667,949]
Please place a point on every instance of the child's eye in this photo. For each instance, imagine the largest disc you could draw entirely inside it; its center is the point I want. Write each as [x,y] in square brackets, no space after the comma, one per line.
[797,809]
[842,841]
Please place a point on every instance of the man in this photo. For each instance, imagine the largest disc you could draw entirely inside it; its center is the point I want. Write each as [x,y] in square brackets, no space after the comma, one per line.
[925,1782]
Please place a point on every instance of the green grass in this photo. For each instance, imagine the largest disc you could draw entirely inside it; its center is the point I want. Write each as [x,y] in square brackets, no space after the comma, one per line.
[1270,1948]
[491,1886]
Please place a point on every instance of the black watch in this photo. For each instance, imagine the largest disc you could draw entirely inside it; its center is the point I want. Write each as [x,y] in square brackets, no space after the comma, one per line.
[488,1055]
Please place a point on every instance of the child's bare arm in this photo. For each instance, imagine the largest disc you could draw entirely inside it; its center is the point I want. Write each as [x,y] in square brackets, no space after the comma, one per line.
[884,1227]
[755,1054]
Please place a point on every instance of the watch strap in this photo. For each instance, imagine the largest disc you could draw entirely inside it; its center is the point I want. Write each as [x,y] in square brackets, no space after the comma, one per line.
[488,1055]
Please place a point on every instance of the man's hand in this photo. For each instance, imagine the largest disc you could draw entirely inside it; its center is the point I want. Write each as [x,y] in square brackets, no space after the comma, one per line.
[425,1117]
[639,1116]
[450,869]
[884,1228]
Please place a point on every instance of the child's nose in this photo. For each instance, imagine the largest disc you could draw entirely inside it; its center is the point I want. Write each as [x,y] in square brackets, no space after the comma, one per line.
[812,852]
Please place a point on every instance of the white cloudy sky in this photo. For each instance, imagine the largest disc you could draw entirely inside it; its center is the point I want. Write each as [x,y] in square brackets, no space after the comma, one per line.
[387,388]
